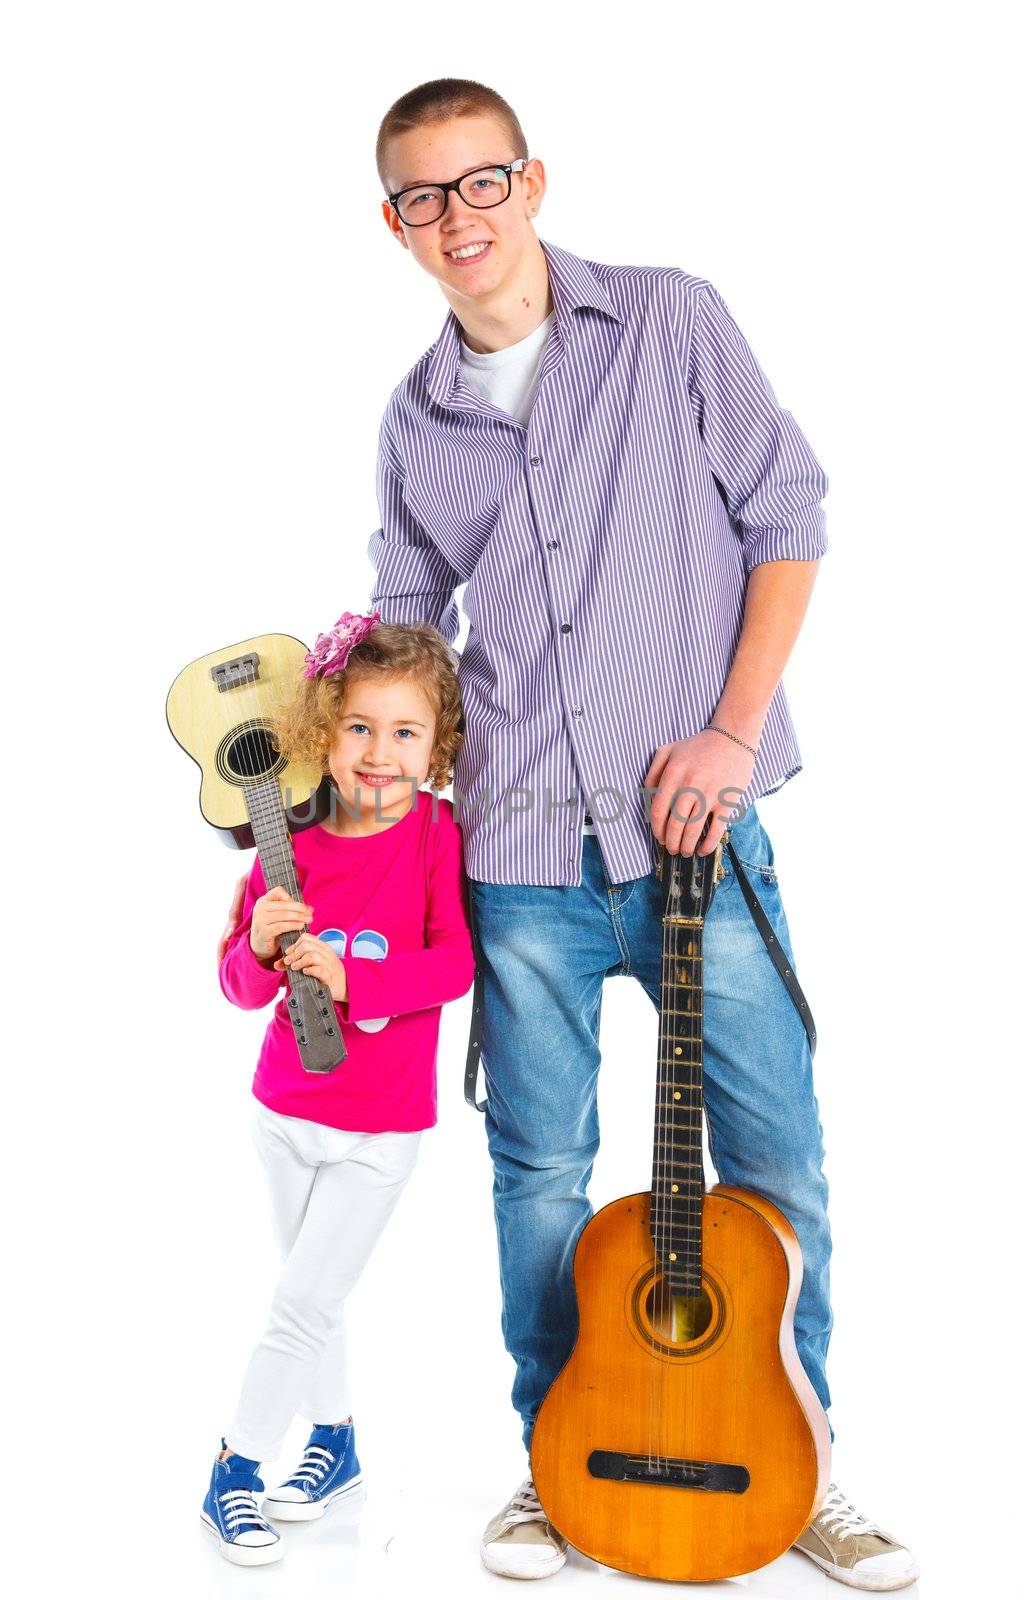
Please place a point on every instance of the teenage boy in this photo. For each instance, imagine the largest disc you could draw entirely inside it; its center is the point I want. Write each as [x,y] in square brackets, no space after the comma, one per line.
[595,452]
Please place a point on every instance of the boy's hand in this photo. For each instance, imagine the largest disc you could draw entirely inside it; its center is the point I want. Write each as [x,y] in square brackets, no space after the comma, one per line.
[273,914]
[317,960]
[696,772]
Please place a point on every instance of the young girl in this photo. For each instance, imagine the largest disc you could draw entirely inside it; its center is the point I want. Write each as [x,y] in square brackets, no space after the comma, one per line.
[384,912]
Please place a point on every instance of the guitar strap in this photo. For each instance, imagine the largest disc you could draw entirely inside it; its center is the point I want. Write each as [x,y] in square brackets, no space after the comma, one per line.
[764,928]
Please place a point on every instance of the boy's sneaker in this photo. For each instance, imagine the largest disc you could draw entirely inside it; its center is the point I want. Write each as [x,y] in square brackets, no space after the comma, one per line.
[329,1469]
[853,1549]
[233,1517]
[520,1542]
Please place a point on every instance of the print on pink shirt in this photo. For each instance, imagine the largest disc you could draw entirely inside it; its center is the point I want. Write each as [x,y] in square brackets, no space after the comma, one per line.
[368,943]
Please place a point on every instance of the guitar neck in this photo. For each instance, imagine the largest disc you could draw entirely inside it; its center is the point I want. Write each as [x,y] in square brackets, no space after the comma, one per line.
[310,1007]
[677,1184]
[270,831]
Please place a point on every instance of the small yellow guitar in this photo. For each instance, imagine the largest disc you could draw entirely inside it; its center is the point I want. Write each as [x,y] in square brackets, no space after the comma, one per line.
[219,709]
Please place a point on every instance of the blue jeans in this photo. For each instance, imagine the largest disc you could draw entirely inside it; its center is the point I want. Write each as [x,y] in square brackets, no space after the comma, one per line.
[545,953]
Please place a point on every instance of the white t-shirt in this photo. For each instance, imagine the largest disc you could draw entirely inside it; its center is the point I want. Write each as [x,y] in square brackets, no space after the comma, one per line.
[508,378]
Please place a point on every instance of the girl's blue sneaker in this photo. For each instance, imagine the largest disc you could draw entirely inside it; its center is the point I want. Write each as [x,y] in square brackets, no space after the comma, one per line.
[329,1469]
[233,1517]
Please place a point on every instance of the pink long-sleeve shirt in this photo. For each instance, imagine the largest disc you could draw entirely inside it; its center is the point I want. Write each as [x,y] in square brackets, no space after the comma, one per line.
[393,907]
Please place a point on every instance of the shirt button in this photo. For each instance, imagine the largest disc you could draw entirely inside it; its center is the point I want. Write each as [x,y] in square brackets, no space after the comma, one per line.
[566,627]
[535,461]
[552,544]
[577,711]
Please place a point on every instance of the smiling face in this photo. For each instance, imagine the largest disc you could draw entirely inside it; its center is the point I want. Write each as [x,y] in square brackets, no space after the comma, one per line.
[439,152]
[384,739]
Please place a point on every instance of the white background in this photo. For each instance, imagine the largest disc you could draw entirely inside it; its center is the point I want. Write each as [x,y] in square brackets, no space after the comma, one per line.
[202,320]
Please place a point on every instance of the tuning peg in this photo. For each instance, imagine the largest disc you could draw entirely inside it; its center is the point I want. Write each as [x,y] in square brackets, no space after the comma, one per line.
[720,856]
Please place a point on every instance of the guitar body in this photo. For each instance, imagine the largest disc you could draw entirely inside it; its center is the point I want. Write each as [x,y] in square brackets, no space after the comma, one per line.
[217,710]
[692,1458]
[220,710]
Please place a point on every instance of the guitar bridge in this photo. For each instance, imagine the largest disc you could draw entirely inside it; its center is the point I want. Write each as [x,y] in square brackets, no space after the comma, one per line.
[231,674]
[669,1472]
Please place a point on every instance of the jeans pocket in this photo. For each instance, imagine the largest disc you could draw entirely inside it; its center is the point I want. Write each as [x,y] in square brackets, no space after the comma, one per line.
[761,871]
[753,849]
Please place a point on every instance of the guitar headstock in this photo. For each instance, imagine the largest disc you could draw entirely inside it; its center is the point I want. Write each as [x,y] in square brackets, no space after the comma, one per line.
[689,881]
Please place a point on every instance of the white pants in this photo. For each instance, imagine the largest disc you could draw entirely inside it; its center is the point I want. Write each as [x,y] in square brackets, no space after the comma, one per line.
[332,1193]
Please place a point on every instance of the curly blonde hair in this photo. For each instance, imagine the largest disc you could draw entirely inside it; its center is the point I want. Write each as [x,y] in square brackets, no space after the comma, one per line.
[305,728]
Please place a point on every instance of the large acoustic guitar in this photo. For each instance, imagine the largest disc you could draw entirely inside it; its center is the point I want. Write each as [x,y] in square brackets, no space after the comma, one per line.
[219,709]
[683,1440]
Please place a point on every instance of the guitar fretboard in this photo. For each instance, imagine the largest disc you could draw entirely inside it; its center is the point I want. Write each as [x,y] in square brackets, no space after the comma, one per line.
[310,1007]
[270,831]
[677,1185]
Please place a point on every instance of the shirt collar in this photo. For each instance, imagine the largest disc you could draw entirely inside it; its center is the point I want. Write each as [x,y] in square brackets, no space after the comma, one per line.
[573,288]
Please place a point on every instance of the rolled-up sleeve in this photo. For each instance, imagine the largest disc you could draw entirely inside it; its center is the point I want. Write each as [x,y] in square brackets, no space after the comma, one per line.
[413,582]
[772,483]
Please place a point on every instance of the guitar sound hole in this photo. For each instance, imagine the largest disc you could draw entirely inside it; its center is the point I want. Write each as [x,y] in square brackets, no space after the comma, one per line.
[249,754]
[678,1318]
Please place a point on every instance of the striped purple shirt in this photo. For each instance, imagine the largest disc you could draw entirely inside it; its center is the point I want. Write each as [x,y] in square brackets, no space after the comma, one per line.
[604,548]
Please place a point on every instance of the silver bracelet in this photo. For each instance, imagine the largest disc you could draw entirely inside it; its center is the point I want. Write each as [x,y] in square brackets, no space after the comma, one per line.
[714,728]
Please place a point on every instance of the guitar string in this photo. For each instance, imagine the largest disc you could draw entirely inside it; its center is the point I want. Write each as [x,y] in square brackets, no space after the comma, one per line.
[670,1205]
[312,995]
[696,1125]
[666,1080]
[657,1197]
[674,1207]
[687,966]
[679,975]
[716,860]
[303,987]
[248,736]
[691,1235]
[684,975]
[661,1200]
[283,861]
[250,731]
[655,1237]
[662,899]
[668,1087]
[696,1116]
[695,978]
[678,1208]
[665,1209]
[657,1080]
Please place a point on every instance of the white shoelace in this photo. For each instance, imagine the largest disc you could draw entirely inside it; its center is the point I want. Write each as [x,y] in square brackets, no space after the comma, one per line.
[524,1505]
[240,1506]
[313,1466]
[838,1516]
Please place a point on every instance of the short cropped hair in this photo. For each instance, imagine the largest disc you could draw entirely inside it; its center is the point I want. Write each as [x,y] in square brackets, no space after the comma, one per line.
[439,101]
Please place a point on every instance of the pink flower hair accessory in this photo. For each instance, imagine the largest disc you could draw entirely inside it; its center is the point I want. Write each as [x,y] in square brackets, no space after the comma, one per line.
[331,652]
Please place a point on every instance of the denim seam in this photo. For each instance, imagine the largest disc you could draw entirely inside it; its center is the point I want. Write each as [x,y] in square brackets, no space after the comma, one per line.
[619,937]
[632,890]
[758,866]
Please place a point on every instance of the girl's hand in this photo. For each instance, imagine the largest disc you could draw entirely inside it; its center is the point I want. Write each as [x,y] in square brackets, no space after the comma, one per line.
[317,960]
[234,917]
[273,914]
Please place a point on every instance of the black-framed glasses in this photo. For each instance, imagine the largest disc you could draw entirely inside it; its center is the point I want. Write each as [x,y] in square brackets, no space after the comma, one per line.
[481,188]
